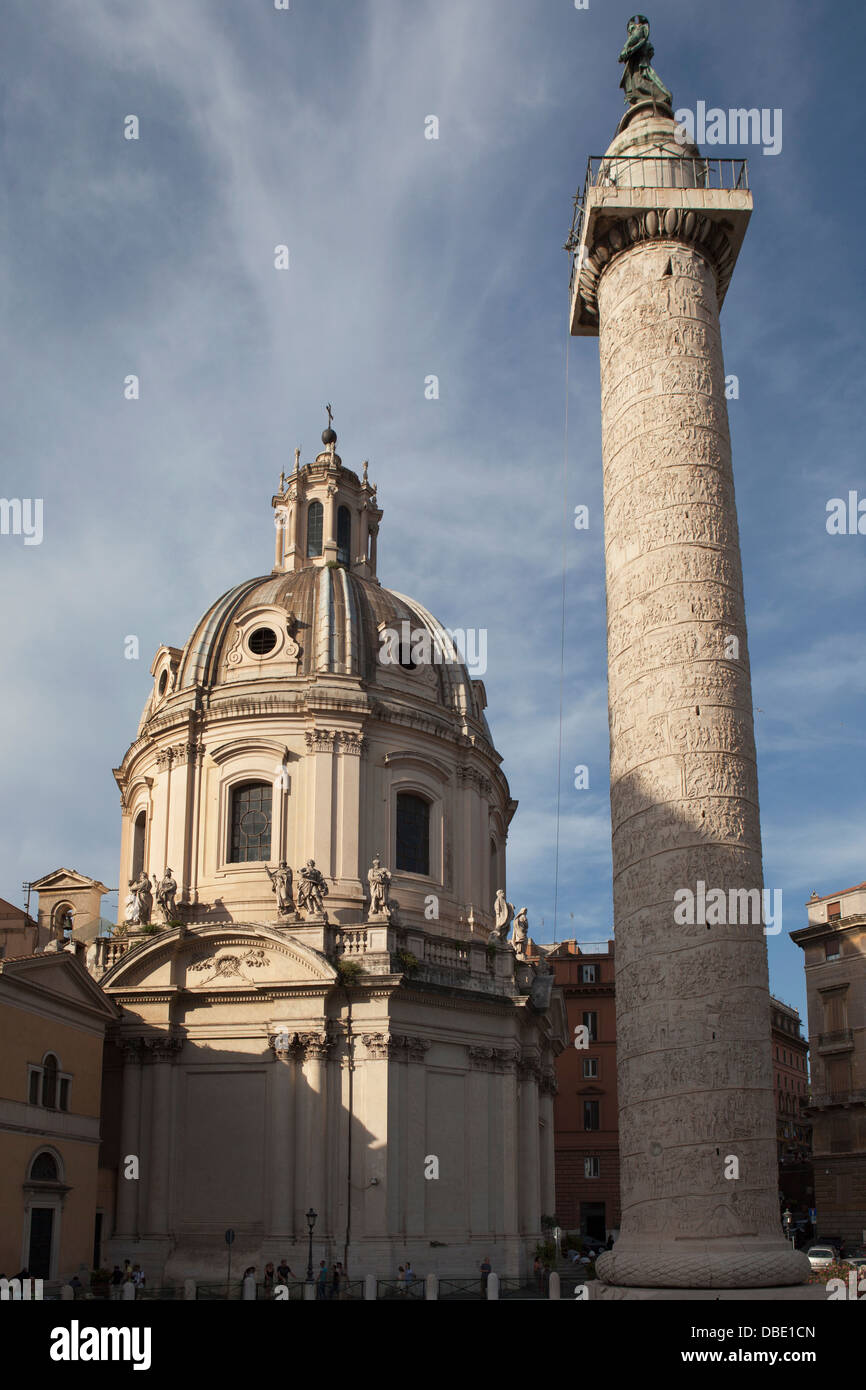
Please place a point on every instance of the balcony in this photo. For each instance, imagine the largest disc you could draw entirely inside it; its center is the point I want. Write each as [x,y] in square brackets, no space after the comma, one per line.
[842,1040]
[827,1100]
[618,190]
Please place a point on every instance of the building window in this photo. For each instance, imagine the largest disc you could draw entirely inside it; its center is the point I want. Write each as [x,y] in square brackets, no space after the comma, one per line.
[590,1022]
[590,1114]
[35,1079]
[49,1081]
[832,950]
[591,1168]
[834,911]
[588,974]
[44,1168]
[590,1067]
[63,1094]
[138,833]
[251,823]
[262,641]
[344,535]
[315,516]
[413,834]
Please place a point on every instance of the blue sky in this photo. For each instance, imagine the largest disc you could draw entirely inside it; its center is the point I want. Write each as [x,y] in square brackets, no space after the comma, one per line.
[409,257]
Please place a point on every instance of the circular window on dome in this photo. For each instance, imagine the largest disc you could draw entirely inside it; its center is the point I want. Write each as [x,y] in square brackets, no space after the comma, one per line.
[262,641]
[163,683]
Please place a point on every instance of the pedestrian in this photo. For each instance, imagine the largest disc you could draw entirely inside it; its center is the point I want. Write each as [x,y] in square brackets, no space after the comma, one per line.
[283,1272]
[138,1279]
[608,1245]
[269,1277]
[115,1283]
[322,1281]
[401,1281]
[127,1269]
[337,1280]
[536,1270]
[486,1268]
[410,1275]
[248,1287]
[546,1277]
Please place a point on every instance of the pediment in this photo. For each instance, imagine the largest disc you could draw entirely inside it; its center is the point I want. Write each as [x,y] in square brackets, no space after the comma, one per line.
[230,958]
[61,976]
[66,879]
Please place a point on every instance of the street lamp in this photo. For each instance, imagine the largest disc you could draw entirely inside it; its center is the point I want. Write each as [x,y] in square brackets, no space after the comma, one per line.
[311,1221]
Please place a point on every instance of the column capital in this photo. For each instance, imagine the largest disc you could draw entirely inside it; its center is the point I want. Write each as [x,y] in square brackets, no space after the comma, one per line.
[400,1047]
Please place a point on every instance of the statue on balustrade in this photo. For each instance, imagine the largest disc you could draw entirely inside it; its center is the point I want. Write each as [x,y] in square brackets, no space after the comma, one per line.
[166,893]
[503,912]
[312,889]
[379,880]
[521,934]
[281,884]
[141,887]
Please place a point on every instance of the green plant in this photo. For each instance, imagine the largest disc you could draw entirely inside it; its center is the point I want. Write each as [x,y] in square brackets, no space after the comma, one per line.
[349,972]
[150,929]
[546,1250]
[407,962]
[548,1222]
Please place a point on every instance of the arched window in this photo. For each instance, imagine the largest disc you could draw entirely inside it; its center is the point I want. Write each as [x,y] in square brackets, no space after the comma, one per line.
[251,823]
[138,833]
[344,535]
[49,1081]
[44,1168]
[494,870]
[314,530]
[413,834]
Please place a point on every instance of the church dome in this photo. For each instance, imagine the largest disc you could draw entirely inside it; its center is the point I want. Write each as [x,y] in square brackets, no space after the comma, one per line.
[320,621]
[314,715]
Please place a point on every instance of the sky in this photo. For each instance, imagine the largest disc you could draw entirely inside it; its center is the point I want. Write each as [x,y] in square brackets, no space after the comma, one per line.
[409,257]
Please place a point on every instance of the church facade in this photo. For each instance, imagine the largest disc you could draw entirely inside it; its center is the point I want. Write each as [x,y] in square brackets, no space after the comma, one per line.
[319,1011]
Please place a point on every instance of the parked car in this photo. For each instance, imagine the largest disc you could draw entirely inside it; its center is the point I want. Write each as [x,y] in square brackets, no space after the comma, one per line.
[820,1256]
[857,1259]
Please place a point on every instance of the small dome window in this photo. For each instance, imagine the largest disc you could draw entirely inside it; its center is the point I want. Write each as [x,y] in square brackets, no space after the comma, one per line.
[262,641]
[163,683]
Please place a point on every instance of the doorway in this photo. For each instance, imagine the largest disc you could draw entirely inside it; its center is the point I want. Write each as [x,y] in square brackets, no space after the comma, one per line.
[39,1249]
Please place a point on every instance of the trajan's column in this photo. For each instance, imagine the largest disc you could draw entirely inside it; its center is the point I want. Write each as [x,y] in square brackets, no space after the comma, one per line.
[658,237]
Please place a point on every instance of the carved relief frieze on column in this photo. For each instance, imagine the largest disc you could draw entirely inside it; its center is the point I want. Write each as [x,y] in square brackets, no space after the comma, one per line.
[614,236]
